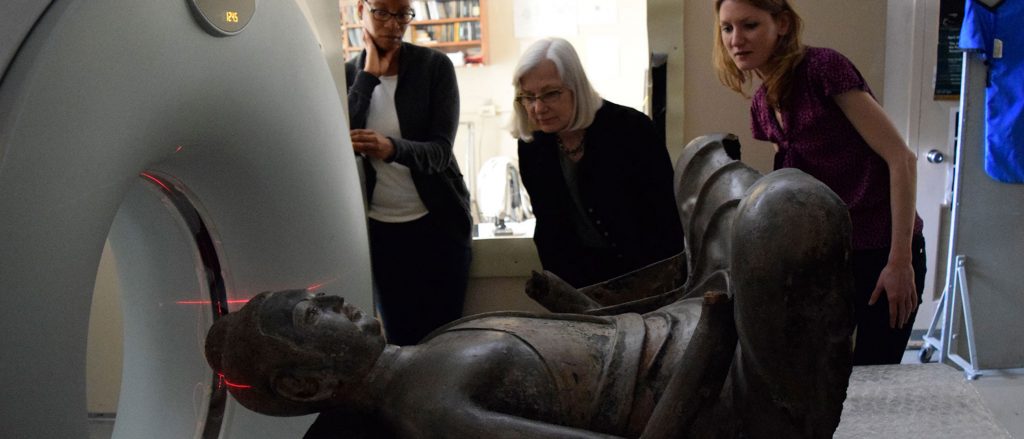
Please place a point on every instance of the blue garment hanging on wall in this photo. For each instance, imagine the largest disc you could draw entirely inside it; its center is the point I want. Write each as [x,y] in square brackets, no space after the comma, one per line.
[996,29]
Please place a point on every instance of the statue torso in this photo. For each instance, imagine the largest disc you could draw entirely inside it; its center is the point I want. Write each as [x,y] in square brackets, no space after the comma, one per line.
[606,371]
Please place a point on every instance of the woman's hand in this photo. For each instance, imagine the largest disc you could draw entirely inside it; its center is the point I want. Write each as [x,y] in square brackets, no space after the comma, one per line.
[897,281]
[377,64]
[371,144]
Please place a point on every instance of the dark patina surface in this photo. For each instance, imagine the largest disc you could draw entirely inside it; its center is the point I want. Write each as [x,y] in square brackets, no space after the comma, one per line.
[754,342]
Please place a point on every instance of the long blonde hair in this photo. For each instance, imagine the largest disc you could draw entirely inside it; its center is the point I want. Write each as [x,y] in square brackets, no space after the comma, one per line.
[788,54]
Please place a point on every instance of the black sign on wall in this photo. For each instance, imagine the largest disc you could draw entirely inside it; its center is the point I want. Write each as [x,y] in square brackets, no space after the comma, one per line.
[949,63]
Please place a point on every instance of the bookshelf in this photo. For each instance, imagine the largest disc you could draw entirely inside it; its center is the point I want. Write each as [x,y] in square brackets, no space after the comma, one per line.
[351,28]
[456,27]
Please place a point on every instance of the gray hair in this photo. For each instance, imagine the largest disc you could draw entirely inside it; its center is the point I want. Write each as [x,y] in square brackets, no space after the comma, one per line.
[560,52]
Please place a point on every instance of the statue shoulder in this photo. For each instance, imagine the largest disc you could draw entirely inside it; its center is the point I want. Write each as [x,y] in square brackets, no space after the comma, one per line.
[499,319]
[472,368]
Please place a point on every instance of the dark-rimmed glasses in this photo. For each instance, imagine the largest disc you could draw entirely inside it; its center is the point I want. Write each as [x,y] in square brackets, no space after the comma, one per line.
[384,15]
[549,97]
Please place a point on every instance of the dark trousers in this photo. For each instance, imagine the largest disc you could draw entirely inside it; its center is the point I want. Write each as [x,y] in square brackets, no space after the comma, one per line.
[877,343]
[420,275]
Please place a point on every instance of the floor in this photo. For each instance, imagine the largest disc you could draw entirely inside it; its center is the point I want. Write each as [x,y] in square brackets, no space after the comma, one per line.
[101,428]
[1001,393]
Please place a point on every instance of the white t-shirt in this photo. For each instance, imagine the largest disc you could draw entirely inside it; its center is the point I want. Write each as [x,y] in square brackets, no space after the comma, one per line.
[395,199]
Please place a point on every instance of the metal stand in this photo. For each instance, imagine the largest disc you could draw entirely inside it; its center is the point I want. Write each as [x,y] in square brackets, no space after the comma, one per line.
[933,337]
[953,323]
[955,303]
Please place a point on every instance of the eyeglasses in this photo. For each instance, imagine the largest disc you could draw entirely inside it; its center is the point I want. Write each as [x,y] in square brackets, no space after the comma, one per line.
[548,97]
[384,15]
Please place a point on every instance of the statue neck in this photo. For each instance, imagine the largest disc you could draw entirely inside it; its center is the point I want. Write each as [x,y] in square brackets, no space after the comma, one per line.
[780,406]
[389,364]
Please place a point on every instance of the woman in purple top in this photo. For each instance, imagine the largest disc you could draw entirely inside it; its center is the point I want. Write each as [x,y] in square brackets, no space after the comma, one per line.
[815,107]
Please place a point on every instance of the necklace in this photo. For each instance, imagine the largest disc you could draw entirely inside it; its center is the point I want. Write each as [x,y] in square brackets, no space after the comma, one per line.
[571,152]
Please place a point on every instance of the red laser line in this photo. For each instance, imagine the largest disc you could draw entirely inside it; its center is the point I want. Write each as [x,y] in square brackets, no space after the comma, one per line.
[233,385]
[157,181]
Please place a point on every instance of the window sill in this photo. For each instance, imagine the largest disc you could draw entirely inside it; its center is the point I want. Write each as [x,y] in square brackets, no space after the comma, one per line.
[504,256]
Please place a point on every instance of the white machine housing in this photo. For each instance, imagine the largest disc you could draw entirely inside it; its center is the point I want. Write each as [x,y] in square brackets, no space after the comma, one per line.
[218,166]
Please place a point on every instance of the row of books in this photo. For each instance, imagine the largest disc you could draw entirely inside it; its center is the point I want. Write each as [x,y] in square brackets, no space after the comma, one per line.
[442,9]
[450,32]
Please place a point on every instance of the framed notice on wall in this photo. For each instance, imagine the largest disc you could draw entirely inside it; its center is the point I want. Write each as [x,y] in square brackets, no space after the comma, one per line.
[949,62]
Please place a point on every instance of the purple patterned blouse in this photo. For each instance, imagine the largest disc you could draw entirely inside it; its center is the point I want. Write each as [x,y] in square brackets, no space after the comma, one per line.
[818,139]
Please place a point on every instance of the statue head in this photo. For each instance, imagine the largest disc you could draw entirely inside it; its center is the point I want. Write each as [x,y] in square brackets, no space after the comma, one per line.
[793,288]
[293,352]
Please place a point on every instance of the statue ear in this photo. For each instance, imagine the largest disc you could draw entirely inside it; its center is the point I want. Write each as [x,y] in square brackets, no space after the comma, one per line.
[304,385]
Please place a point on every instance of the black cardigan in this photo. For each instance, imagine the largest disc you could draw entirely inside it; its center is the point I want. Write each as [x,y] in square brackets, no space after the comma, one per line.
[427,102]
[625,184]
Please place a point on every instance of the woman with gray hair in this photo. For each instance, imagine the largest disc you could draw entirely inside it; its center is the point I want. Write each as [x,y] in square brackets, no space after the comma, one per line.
[598,175]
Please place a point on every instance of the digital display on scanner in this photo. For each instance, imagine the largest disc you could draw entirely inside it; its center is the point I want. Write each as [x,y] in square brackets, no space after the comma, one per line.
[223,17]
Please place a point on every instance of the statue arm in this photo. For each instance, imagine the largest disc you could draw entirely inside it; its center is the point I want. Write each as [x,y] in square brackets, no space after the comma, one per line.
[479,422]
[694,389]
[642,290]
[557,295]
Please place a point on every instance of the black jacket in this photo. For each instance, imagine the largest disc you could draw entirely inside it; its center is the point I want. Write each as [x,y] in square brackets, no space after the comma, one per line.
[625,184]
[427,102]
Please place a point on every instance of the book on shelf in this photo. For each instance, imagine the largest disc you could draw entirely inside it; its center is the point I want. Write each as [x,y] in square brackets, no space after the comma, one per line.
[442,10]
[468,8]
[433,10]
[420,8]
[445,9]
[448,32]
[422,37]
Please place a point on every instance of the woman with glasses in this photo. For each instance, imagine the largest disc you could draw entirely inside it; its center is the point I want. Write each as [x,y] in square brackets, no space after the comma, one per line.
[598,174]
[404,110]
[815,106]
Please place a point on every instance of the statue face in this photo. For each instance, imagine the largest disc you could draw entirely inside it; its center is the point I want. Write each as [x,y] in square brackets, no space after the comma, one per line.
[346,337]
[330,314]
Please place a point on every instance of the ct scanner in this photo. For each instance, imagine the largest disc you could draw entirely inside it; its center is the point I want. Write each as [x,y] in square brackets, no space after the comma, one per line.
[207,139]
